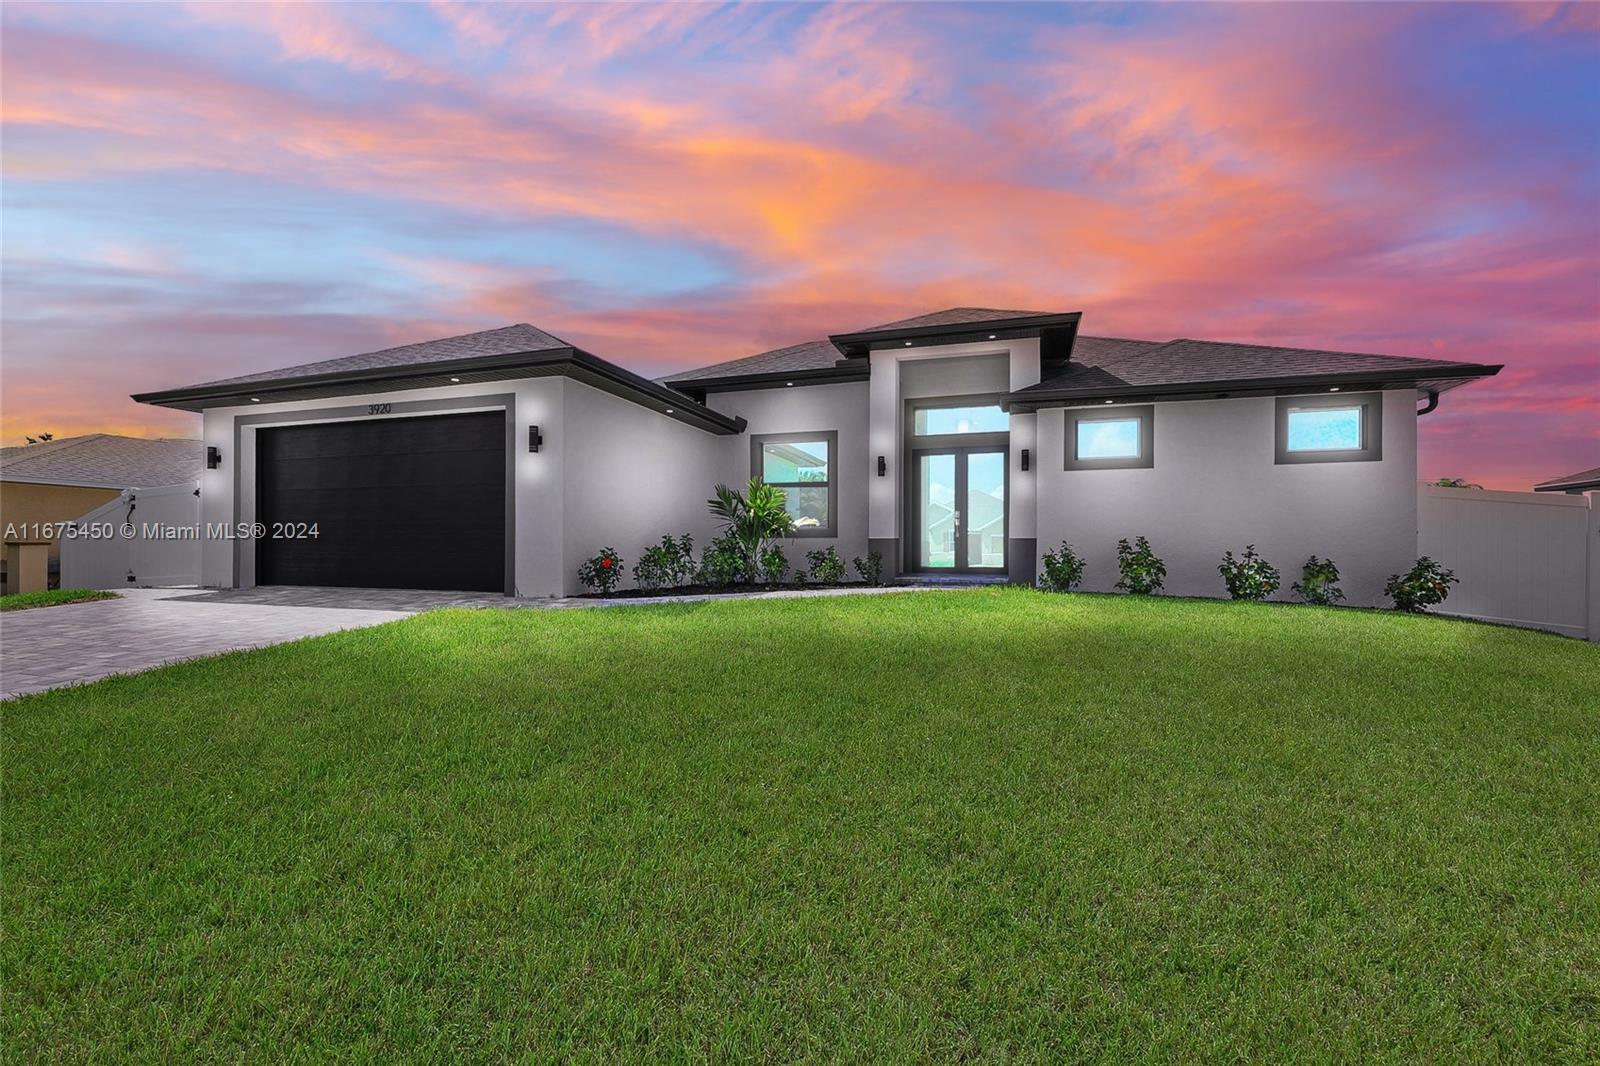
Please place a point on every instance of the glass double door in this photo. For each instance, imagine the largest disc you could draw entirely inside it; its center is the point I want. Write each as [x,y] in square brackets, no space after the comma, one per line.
[960,510]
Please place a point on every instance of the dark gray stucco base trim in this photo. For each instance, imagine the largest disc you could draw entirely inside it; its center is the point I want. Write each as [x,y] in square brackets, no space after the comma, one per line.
[1023,553]
[889,549]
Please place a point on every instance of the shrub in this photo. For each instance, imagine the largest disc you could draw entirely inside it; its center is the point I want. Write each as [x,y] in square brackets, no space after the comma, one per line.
[1455,483]
[669,563]
[826,566]
[1062,570]
[1425,585]
[752,518]
[1248,577]
[870,568]
[1319,582]
[1142,572]
[602,572]
[774,564]
[722,563]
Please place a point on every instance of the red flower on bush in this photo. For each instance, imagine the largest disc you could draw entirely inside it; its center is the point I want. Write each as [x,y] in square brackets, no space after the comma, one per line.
[606,563]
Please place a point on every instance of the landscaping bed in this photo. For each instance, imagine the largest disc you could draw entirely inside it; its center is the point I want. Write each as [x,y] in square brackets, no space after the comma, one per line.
[721,590]
[995,824]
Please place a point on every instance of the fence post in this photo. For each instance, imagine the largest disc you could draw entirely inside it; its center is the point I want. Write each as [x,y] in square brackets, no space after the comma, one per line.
[1592,527]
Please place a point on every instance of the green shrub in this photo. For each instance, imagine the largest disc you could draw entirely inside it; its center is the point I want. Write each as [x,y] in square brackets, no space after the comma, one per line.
[722,563]
[1319,582]
[1062,570]
[1455,483]
[668,564]
[1248,577]
[774,564]
[826,566]
[602,572]
[1143,573]
[752,518]
[1425,585]
[870,568]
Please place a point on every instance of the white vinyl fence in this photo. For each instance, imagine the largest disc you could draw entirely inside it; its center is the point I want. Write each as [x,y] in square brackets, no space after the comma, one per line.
[163,548]
[1523,558]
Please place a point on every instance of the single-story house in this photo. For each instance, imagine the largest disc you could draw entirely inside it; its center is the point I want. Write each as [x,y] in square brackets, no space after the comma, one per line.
[963,442]
[1573,484]
[55,481]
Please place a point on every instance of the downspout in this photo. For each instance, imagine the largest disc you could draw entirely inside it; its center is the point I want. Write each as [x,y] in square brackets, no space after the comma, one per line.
[1433,401]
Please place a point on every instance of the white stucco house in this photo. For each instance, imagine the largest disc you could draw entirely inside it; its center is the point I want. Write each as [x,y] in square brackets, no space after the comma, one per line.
[966,441]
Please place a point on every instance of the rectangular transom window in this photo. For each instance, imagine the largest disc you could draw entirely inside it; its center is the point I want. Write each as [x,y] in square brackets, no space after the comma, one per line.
[945,421]
[803,466]
[1120,438]
[1329,429]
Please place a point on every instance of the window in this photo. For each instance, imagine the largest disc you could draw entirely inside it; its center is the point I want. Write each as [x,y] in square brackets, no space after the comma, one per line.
[942,421]
[1329,428]
[802,465]
[1110,438]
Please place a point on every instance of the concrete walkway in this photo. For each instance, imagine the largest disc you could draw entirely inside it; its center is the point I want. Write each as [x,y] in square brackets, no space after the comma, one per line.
[49,647]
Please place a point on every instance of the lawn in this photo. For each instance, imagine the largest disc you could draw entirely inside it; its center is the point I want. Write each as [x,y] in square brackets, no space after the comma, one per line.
[978,824]
[24,601]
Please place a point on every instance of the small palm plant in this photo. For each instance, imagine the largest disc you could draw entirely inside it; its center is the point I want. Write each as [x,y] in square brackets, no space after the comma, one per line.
[752,518]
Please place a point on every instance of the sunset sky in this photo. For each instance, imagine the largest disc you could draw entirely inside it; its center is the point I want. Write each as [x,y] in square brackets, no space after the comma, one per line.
[196,191]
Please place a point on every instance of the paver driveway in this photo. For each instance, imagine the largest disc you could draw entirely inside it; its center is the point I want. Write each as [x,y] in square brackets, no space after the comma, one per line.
[51,646]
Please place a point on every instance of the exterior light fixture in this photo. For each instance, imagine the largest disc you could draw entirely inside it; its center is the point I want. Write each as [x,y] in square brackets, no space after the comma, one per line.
[908,344]
[1334,389]
[1111,401]
[457,380]
[1024,459]
[213,458]
[991,336]
[534,440]
[255,399]
[883,466]
[789,384]
[669,410]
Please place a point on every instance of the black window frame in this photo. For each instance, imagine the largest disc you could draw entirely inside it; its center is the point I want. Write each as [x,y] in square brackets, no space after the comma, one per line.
[1371,450]
[831,437]
[1144,413]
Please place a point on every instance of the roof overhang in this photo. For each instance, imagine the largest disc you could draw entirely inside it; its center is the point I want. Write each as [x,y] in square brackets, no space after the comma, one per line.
[1036,397]
[1055,332]
[574,363]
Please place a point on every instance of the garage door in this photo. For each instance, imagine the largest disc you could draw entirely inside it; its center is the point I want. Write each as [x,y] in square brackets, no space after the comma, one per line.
[414,503]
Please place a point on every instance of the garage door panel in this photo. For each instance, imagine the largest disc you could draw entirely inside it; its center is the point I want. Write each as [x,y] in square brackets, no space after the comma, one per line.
[398,503]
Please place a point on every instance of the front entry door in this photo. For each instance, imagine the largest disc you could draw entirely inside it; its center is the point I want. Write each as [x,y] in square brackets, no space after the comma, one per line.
[959,510]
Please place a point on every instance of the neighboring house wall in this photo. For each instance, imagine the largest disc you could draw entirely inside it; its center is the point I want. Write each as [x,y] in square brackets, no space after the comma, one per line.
[25,504]
[1215,487]
[630,476]
[1523,558]
[839,408]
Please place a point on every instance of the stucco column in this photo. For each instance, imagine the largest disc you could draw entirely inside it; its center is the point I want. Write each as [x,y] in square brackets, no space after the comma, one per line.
[1022,504]
[883,436]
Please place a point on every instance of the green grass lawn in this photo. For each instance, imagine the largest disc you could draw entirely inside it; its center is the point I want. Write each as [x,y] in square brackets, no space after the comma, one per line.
[23,601]
[985,824]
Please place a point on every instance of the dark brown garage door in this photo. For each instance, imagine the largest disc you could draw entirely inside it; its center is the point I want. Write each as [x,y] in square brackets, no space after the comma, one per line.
[413,503]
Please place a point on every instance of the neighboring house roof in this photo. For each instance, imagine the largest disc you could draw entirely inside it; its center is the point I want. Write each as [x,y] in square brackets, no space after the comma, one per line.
[1582,481]
[1196,369]
[104,460]
[519,351]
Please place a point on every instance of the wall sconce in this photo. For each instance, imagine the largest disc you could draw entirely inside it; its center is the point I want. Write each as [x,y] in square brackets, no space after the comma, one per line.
[1024,458]
[213,457]
[534,440]
[883,466]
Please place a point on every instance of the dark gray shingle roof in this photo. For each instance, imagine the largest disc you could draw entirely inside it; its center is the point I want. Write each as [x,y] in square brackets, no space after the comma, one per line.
[953,316]
[1583,479]
[507,340]
[1189,362]
[104,460]
[796,358]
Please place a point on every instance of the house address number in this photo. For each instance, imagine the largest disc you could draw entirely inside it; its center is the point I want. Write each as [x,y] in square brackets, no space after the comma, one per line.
[378,408]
